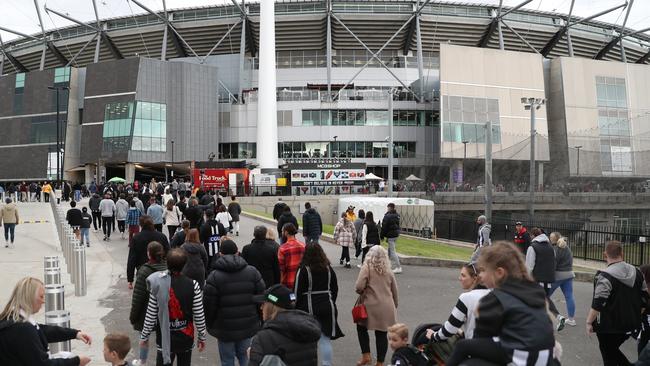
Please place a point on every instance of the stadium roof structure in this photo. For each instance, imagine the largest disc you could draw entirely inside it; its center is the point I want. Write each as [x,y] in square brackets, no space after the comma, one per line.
[302,25]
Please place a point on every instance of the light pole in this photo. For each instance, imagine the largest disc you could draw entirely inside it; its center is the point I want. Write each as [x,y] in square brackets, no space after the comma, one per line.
[464,157]
[172,159]
[59,167]
[390,142]
[532,104]
[578,164]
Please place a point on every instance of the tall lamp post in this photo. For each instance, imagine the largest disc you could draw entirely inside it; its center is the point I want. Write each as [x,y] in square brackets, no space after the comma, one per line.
[578,164]
[532,104]
[172,159]
[59,165]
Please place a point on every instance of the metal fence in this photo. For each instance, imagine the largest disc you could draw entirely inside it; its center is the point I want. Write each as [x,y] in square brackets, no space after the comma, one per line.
[586,240]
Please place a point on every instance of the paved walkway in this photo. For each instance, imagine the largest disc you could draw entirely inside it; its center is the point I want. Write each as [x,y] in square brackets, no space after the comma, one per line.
[426,294]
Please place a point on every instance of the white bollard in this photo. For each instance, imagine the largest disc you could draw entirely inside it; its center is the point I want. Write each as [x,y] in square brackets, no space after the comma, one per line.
[60,318]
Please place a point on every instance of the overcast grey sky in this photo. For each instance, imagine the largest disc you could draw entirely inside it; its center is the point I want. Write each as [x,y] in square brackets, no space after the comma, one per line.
[20,15]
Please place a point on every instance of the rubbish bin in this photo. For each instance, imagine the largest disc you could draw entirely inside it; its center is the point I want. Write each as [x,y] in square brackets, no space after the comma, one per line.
[62,319]
[54,297]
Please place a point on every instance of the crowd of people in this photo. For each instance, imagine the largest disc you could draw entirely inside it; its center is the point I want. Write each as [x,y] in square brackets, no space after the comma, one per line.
[274,301]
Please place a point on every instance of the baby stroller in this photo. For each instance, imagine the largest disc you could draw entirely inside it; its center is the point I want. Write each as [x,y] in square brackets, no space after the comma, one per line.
[436,352]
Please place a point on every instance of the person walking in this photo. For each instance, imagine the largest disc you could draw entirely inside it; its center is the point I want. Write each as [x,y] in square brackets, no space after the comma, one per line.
[172,218]
[121,211]
[86,221]
[234,209]
[292,331]
[290,255]
[210,235]
[179,237]
[369,235]
[23,341]
[345,235]
[156,262]
[349,213]
[522,237]
[93,204]
[312,225]
[175,309]
[194,214]
[232,315]
[107,210]
[133,220]
[262,253]
[47,191]
[9,217]
[377,289]
[564,274]
[390,229]
[223,217]
[285,218]
[77,191]
[278,209]
[138,249]
[540,261]
[196,266]
[483,239]
[156,212]
[620,294]
[316,290]
[358,226]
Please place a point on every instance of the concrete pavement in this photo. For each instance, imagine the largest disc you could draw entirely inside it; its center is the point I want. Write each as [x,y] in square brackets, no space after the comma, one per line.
[427,294]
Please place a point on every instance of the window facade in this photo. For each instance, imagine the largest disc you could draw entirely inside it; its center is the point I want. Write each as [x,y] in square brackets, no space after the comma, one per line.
[465,117]
[61,75]
[52,165]
[361,117]
[118,119]
[238,150]
[20,80]
[43,129]
[345,149]
[150,127]
[614,126]
[285,118]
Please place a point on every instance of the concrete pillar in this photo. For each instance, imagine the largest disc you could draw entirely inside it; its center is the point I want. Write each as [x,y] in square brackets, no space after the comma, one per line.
[129,172]
[89,173]
[267,128]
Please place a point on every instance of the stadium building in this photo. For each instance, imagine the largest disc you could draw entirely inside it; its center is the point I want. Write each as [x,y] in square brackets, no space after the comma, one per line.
[138,93]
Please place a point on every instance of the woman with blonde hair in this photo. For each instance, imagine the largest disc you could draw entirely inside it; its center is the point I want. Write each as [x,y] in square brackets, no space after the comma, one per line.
[564,274]
[23,342]
[377,288]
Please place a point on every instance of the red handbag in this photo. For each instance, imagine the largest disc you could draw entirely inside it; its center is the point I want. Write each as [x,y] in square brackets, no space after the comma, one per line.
[359,313]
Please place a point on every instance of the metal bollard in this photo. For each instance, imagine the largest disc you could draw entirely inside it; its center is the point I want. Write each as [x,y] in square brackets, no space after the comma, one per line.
[80,285]
[54,297]
[71,257]
[51,261]
[62,319]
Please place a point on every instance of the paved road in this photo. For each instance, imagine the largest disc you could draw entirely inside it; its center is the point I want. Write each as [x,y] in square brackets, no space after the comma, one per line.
[426,294]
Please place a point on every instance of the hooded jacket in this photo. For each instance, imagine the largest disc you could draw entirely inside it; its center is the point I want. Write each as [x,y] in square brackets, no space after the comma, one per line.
[510,312]
[25,344]
[292,335]
[620,293]
[263,255]
[390,225]
[312,225]
[138,250]
[196,266]
[285,218]
[141,293]
[484,232]
[231,313]
[121,209]
[9,214]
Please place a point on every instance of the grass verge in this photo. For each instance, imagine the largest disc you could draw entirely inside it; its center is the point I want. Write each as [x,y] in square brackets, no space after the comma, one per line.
[406,246]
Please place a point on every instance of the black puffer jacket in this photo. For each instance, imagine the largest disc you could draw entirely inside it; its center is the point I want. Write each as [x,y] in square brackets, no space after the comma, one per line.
[138,250]
[390,225]
[292,335]
[21,344]
[140,298]
[263,255]
[196,266]
[286,217]
[311,223]
[230,312]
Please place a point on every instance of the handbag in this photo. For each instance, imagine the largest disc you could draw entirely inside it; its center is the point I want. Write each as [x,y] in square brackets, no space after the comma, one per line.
[359,313]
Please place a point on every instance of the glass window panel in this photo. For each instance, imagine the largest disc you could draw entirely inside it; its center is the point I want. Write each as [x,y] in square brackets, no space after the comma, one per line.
[306,118]
[456,116]
[163,112]
[610,80]
[163,130]
[447,132]
[146,127]
[155,144]
[496,134]
[611,92]
[481,117]
[137,143]
[601,93]
[457,132]
[621,98]
[493,105]
[155,111]
[146,144]
[137,128]
[469,117]
[325,117]
[146,110]
[469,132]
[494,118]
[480,104]
[445,103]
[360,118]
[359,149]
[455,103]
[350,116]
[155,129]
[468,104]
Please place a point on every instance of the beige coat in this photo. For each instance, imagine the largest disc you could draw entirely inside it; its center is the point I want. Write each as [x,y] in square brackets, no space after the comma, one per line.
[380,297]
[9,214]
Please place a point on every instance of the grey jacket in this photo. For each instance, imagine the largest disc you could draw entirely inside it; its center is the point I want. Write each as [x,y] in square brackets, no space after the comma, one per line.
[563,263]
[159,284]
[484,235]
[121,209]
[107,207]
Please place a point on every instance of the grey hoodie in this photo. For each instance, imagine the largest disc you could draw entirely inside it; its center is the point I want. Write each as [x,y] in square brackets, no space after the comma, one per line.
[121,209]
[622,271]
[159,284]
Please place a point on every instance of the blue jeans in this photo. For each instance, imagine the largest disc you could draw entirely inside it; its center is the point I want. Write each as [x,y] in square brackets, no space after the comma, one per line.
[567,289]
[229,350]
[10,229]
[325,346]
[77,196]
[392,253]
[85,235]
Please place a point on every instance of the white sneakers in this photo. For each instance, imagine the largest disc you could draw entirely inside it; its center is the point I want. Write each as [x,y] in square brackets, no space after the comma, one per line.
[570,322]
[397,270]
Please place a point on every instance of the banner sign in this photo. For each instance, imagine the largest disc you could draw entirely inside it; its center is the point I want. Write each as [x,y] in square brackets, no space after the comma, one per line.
[328,177]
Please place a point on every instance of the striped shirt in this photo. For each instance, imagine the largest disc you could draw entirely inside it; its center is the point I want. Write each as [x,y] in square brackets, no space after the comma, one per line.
[464,313]
[151,317]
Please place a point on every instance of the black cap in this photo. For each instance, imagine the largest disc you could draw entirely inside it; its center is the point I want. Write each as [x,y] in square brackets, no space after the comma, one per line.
[228,247]
[278,295]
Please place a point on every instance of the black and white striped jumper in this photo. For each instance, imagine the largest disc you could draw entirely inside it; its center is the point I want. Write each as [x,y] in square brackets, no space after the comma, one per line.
[151,317]
[463,314]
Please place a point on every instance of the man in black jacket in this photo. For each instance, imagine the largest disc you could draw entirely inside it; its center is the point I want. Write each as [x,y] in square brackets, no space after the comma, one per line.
[73,216]
[620,295]
[262,254]
[390,229]
[231,314]
[210,233]
[278,209]
[138,249]
[285,218]
[312,225]
[93,204]
[234,209]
